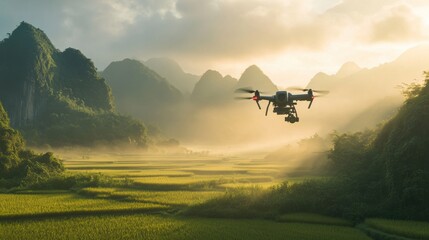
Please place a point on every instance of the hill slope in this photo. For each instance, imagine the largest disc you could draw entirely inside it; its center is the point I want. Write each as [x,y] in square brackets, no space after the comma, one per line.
[140,91]
[254,78]
[354,90]
[212,88]
[173,73]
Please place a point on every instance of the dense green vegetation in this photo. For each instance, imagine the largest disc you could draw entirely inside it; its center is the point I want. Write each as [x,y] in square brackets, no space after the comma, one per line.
[19,166]
[412,229]
[57,98]
[313,218]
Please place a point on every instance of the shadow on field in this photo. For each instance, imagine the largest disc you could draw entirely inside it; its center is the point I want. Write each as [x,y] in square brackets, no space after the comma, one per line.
[81,213]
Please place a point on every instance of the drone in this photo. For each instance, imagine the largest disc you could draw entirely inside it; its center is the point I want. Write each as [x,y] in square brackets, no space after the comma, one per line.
[284,102]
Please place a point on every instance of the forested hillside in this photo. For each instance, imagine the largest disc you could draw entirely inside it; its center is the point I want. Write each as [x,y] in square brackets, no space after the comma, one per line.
[19,166]
[57,98]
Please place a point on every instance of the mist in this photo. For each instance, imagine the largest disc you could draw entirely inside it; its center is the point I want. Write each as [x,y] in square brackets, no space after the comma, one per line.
[359,98]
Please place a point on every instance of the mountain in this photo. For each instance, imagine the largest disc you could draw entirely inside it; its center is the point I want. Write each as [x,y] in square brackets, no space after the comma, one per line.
[212,88]
[354,90]
[173,73]
[57,97]
[254,78]
[386,77]
[141,92]
[347,69]
[31,68]
[322,80]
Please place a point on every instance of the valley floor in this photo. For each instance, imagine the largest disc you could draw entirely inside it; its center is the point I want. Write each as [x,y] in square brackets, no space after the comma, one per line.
[165,186]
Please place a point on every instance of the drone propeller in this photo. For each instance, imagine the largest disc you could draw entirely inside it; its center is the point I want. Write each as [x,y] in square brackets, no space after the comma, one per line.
[246,90]
[321,91]
[312,97]
[256,97]
[307,89]
[243,98]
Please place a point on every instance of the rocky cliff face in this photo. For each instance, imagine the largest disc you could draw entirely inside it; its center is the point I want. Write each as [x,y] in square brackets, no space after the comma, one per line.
[32,71]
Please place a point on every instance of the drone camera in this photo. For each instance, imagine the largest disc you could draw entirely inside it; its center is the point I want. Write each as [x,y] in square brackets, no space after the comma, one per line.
[291,119]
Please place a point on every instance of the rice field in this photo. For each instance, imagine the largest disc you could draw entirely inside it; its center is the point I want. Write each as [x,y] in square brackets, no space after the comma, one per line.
[167,198]
[183,171]
[164,185]
[169,227]
[62,204]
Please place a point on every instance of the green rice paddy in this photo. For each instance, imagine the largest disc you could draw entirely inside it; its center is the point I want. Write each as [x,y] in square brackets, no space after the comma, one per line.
[164,186]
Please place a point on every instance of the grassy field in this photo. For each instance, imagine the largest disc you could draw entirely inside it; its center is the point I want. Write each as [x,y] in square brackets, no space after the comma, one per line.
[168,227]
[164,186]
[36,204]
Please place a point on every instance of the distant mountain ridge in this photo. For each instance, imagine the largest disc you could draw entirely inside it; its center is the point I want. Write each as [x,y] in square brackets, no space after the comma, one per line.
[173,73]
[407,67]
[348,69]
[140,91]
[356,92]
[52,96]
[253,77]
[213,88]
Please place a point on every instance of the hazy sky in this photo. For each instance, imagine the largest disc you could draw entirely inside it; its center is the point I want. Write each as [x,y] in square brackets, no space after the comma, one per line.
[291,40]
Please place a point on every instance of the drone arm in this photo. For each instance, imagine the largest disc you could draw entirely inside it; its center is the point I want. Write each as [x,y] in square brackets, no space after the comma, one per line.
[268,98]
[268,106]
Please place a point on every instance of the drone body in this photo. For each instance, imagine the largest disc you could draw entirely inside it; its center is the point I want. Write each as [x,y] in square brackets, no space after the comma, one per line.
[283,101]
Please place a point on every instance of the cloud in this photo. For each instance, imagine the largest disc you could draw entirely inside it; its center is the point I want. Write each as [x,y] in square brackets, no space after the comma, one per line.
[202,32]
[397,25]
[359,7]
[226,29]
